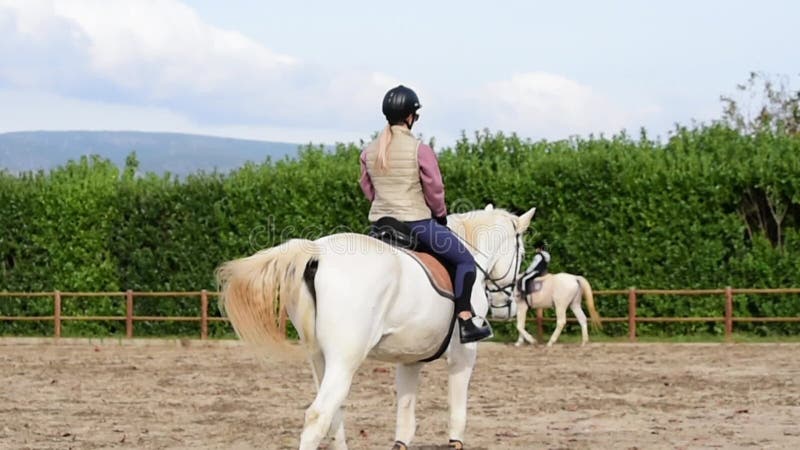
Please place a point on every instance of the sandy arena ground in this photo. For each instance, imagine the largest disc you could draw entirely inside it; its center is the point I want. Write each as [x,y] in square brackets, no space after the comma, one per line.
[191,395]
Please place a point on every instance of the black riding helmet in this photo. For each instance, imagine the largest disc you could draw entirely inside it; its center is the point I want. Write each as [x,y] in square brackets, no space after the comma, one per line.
[398,103]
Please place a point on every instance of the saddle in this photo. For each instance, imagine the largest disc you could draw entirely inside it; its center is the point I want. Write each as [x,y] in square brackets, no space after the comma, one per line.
[531,286]
[440,274]
[398,234]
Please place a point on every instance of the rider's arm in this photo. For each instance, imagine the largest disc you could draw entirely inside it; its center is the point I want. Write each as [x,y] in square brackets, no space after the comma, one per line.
[366,181]
[431,179]
[537,258]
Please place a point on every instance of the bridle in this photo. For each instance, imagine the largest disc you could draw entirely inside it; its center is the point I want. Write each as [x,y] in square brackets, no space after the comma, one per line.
[507,288]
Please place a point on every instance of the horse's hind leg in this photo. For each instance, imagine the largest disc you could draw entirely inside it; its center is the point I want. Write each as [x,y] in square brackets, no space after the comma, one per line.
[575,306]
[339,441]
[407,382]
[561,320]
[522,314]
[325,409]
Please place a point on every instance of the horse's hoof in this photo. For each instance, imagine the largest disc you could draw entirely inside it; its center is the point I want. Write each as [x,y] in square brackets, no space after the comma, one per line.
[455,444]
[517,344]
[398,445]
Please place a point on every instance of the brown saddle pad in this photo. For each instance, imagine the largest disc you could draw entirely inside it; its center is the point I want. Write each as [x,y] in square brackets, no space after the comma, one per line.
[533,286]
[437,274]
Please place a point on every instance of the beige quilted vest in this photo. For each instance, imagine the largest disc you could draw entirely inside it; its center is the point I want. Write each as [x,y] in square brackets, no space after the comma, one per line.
[398,190]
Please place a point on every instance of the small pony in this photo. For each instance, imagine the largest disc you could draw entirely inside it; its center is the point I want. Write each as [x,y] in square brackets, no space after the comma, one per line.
[559,291]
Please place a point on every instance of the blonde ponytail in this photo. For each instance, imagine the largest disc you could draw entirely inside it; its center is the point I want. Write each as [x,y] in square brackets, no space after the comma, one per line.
[382,161]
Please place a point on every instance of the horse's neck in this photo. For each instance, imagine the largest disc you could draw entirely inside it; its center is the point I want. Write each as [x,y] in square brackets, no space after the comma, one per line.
[477,247]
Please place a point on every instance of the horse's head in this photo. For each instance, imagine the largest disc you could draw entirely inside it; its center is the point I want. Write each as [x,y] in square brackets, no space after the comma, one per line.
[495,238]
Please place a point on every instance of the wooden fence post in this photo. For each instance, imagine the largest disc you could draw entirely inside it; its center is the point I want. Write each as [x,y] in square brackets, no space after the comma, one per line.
[57,313]
[539,324]
[129,313]
[203,314]
[728,313]
[632,314]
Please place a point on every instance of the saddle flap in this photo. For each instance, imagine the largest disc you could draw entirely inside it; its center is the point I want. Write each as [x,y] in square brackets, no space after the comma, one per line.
[437,273]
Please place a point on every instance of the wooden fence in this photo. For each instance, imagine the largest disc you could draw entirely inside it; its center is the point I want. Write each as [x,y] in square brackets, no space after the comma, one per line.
[728,317]
[632,319]
[129,317]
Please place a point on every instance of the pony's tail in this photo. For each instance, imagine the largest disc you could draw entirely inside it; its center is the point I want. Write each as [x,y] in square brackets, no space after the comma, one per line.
[589,297]
[258,291]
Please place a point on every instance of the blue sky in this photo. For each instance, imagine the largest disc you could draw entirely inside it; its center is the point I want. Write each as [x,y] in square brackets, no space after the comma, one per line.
[316,71]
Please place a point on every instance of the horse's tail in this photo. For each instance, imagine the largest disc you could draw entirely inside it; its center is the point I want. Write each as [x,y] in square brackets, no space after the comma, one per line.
[257,291]
[589,297]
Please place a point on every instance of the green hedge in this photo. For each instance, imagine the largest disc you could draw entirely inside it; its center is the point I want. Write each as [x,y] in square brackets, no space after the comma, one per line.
[708,208]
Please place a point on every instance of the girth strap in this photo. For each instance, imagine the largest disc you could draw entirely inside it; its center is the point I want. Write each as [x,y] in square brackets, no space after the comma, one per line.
[445,343]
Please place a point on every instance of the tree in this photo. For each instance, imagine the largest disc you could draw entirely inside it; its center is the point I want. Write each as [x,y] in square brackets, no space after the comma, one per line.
[131,166]
[768,104]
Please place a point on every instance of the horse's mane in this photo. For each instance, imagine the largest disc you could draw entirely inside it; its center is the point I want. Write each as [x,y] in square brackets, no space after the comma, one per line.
[469,224]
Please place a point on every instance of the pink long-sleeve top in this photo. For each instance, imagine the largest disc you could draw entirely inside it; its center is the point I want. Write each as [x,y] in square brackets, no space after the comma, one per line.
[429,176]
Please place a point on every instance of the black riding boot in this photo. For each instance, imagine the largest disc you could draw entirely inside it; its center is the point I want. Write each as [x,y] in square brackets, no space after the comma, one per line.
[469,332]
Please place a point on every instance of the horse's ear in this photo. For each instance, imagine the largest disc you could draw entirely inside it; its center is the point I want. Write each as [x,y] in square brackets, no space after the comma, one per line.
[489,207]
[525,220]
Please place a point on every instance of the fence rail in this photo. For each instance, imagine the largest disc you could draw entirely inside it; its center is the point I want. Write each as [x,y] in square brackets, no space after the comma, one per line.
[632,319]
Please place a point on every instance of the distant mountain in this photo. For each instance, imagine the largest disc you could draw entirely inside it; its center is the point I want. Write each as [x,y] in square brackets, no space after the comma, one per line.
[177,153]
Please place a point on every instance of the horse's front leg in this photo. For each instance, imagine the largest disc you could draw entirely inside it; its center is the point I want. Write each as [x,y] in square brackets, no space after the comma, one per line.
[522,314]
[407,382]
[460,363]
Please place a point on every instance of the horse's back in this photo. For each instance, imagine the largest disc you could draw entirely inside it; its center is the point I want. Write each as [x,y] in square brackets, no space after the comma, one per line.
[562,281]
[562,277]
[556,287]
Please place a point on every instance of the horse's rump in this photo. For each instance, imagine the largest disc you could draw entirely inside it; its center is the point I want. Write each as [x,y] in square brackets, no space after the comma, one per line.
[382,293]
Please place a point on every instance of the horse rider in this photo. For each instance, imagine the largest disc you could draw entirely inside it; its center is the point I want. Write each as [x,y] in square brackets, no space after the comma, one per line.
[537,268]
[400,176]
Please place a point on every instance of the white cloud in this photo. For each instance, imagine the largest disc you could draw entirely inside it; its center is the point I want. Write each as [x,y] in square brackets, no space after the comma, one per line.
[159,53]
[161,45]
[545,105]
[156,65]
[39,49]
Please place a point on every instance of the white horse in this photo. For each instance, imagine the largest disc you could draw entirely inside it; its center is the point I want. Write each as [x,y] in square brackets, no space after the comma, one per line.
[352,297]
[560,290]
